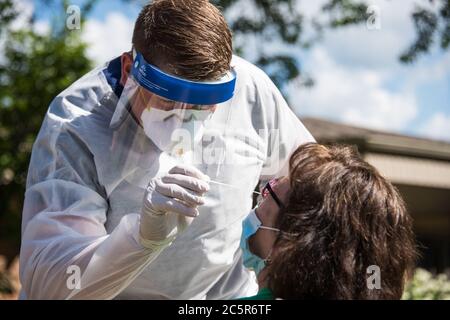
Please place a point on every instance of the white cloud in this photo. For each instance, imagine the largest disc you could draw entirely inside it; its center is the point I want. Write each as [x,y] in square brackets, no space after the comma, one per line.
[25,10]
[359,46]
[353,96]
[432,69]
[41,27]
[109,38]
[437,127]
[310,8]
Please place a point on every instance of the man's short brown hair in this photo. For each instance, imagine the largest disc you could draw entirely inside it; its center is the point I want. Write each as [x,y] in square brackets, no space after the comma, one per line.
[188,38]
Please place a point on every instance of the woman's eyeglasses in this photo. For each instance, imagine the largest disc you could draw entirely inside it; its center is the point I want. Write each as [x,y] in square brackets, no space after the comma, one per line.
[268,190]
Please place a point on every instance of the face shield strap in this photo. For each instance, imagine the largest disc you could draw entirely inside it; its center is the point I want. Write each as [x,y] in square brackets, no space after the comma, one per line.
[181,90]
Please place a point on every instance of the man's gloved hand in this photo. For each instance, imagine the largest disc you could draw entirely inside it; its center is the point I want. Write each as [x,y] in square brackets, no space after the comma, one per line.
[170,204]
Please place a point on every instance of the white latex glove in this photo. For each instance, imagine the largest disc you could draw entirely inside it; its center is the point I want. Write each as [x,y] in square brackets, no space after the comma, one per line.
[170,205]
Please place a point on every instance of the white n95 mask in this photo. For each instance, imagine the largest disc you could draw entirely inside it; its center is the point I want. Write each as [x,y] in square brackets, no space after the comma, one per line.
[168,128]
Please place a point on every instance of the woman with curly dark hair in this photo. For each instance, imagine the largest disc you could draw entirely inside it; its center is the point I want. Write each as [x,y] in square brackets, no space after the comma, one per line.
[319,232]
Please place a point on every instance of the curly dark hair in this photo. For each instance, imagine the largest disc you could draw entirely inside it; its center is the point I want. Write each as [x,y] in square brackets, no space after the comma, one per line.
[341,217]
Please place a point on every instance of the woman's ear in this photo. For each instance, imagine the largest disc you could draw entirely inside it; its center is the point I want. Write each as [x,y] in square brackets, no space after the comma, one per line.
[126,63]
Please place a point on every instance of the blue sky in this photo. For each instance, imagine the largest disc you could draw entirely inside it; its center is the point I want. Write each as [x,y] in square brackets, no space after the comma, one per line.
[100,11]
[359,80]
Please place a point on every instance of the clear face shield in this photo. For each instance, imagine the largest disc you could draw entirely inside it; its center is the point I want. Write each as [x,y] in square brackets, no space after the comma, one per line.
[168,123]
[173,112]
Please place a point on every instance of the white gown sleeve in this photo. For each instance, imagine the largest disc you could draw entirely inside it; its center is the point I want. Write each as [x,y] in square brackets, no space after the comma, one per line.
[284,129]
[63,225]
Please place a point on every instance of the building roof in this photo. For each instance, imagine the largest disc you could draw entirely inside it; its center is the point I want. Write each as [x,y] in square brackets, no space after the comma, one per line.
[375,140]
[412,171]
[402,159]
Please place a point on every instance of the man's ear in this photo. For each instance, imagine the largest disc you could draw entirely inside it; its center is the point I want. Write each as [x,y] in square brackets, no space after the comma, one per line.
[126,63]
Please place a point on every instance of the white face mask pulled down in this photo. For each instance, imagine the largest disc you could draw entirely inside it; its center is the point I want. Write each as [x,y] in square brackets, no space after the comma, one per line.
[170,128]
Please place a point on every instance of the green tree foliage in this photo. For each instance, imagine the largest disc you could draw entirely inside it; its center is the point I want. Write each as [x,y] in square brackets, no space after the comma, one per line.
[430,26]
[425,286]
[272,21]
[34,68]
[282,20]
[7,14]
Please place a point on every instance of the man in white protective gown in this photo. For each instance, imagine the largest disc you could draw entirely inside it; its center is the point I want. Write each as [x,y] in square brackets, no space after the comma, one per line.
[144,168]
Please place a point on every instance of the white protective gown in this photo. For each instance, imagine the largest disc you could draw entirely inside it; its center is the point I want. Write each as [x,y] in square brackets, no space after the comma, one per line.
[86,183]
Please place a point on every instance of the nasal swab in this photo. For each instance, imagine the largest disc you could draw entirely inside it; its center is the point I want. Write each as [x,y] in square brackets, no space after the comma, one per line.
[229,185]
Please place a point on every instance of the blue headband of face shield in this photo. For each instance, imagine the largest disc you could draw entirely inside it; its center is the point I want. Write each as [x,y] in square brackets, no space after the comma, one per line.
[180,90]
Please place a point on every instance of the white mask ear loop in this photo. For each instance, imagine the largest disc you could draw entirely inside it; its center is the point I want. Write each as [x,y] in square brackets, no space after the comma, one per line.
[269,228]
